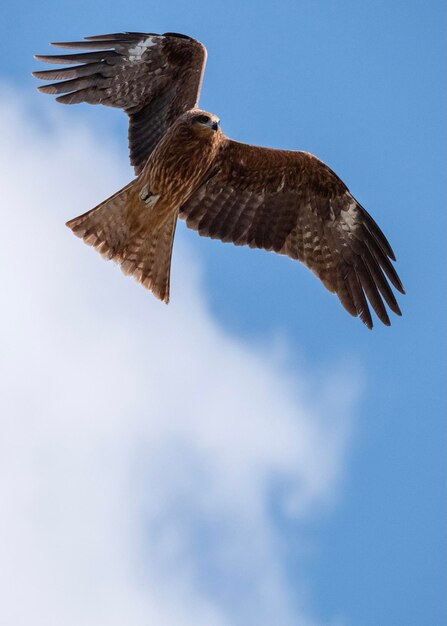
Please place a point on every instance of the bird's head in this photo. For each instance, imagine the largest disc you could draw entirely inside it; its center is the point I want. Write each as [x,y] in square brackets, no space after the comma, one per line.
[201,123]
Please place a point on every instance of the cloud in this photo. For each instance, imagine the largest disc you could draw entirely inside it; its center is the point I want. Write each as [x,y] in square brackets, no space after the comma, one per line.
[147,456]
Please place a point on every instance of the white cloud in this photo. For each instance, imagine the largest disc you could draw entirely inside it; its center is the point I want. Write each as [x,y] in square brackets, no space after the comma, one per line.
[142,445]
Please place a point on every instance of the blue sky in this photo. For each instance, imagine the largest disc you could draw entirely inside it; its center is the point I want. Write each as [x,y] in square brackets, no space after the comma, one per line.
[362,86]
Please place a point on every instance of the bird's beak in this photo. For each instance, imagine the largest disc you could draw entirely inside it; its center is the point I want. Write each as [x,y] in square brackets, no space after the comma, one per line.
[215,125]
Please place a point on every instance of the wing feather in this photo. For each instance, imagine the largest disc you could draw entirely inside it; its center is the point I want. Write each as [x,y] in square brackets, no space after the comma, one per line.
[154,78]
[293,204]
[84,57]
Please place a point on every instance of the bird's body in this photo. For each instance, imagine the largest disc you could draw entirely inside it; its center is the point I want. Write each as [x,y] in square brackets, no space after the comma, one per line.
[288,202]
[171,178]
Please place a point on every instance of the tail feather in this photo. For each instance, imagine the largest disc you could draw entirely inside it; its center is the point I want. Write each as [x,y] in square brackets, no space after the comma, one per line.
[148,258]
[122,228]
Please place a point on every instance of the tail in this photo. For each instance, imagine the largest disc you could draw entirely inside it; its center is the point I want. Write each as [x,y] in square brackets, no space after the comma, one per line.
[124,228]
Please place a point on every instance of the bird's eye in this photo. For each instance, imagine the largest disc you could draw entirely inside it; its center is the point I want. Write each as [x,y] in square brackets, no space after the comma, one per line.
[202,119]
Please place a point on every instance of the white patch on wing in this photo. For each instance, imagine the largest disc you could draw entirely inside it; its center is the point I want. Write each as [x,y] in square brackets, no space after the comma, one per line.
[283,182]
[331,211]
[136,53]
[348,216]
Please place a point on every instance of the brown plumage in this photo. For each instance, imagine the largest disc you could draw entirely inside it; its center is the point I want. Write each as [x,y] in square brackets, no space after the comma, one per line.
[288,202]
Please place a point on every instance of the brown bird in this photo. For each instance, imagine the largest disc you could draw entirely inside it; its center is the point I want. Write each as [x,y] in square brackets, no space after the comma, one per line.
[289,202]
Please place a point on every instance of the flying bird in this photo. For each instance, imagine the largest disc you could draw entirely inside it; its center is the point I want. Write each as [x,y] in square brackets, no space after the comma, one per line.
[284,201]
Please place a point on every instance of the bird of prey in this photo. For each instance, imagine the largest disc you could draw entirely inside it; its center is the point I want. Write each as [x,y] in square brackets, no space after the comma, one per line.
[289,202]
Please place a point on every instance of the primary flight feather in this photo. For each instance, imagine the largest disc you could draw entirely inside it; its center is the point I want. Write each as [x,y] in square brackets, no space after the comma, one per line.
[289,202]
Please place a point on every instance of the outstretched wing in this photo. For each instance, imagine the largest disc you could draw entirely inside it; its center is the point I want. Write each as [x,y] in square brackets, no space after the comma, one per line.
[293,204]
[154,78]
